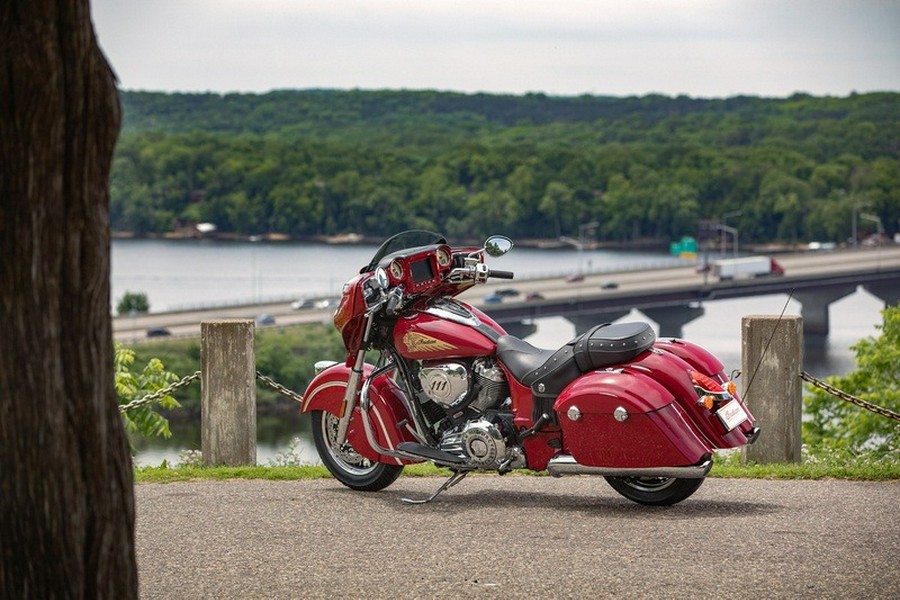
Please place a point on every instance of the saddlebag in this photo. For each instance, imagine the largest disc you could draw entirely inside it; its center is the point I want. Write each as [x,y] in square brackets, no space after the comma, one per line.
[624,419]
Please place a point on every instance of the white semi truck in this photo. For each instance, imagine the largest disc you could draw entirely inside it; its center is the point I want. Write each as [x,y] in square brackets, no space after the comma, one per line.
[747,267]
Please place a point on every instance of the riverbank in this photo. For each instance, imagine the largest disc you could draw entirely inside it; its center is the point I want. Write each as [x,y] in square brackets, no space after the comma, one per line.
[357,239]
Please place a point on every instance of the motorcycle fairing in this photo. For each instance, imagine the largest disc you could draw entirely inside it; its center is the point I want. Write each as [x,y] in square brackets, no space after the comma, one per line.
[326,393]
[653,430]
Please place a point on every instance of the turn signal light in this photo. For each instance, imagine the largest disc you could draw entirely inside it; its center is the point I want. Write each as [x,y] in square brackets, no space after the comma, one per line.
[731,387]
[708,402]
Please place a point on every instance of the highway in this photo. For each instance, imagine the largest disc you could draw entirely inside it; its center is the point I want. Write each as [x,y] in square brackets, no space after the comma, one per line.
[628,283]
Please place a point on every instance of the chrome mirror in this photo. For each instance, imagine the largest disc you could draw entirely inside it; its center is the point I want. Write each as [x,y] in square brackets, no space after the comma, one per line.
[498,245]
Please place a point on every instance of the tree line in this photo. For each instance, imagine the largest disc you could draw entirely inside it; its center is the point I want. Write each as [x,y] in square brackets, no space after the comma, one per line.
[310,163]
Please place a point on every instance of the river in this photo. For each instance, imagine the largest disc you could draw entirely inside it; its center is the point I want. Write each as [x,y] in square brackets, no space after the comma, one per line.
[182,274]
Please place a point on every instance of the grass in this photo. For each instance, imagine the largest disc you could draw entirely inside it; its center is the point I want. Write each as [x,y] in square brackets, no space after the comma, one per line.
[832,466]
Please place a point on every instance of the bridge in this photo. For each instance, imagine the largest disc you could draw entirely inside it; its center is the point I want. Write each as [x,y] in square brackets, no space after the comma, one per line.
[675,297]
[671,297]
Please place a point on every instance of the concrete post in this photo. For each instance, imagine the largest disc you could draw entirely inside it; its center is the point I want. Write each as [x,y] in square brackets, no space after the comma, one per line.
[228,393]
[775,394]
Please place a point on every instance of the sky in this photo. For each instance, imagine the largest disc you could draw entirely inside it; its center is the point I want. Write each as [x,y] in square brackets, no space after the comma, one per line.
[700,48]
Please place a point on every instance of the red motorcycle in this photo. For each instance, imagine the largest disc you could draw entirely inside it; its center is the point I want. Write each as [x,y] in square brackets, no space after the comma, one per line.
[449,386]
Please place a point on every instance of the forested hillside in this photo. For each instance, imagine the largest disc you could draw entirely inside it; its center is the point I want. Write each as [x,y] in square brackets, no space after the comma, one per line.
[321,162]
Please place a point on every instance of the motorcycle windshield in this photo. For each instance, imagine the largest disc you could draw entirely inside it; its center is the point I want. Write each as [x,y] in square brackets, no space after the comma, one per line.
[403,240]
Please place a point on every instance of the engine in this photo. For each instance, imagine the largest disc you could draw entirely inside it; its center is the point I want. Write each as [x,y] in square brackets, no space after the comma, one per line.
[483,444]
[468,391]
[456,385]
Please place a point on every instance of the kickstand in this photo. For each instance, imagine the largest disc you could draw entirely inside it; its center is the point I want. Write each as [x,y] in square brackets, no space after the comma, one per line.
[454,479]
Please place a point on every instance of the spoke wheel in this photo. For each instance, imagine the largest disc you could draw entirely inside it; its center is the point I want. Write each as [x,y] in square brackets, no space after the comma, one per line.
[655,491]
[346,464]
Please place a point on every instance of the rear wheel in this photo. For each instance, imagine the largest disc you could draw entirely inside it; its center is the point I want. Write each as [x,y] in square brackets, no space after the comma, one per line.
[655,491]
[346,464]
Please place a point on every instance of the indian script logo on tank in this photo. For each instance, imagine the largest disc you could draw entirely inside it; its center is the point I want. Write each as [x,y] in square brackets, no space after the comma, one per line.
[419,342]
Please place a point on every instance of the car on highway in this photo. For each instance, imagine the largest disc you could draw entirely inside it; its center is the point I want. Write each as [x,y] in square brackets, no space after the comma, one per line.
[493,299]
[507,292]
[302,303]
[158,332]
[532,296]
[608,285]
[265,320]
[574,278]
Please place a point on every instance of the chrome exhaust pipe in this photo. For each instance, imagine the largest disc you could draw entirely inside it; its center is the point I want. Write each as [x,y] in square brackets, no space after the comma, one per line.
[567,465]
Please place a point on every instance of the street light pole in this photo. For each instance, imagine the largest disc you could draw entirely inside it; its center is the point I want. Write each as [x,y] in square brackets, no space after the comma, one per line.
[734,213]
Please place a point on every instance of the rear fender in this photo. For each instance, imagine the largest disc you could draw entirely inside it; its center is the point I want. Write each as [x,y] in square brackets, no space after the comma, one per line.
[701,359]
[673,373]
[653,430]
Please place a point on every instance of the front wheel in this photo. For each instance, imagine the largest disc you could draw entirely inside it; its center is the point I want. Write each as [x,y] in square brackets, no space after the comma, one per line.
[344,463]
[655,491]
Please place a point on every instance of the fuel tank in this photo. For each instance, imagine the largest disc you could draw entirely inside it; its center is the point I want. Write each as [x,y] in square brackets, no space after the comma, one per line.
[440,333]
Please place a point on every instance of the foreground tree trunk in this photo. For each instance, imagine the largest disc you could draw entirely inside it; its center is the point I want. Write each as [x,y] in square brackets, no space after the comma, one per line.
[66,490]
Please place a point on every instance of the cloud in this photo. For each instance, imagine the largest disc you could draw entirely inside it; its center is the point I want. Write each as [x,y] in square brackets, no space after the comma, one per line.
[697,47]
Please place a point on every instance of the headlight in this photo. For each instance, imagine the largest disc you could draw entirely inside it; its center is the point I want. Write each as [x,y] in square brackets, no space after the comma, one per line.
[381,278]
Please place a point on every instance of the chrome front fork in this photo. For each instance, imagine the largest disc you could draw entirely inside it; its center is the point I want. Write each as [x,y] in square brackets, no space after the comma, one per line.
[353,383]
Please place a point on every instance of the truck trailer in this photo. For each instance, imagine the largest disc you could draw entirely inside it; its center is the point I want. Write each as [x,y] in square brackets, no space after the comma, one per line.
[747,267]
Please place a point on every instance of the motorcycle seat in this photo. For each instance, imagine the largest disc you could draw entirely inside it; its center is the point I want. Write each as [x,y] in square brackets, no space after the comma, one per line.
[548,372]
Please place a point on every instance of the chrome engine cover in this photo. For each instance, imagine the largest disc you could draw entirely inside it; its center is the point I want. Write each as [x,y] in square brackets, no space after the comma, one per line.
[446,383]
[480,442]
[483,443]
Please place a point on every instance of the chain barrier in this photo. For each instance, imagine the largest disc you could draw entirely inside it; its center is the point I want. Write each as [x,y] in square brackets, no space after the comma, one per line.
[851,399]
[279,388]
[166,391]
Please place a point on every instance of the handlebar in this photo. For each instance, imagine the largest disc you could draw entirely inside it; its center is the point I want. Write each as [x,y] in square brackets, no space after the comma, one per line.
[501,274]
[393,302]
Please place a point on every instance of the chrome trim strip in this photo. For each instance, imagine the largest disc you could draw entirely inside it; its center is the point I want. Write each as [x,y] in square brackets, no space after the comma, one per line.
[471,321]
[567,465]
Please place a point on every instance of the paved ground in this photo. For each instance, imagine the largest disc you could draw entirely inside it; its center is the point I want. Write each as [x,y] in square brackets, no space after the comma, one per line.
[518,537]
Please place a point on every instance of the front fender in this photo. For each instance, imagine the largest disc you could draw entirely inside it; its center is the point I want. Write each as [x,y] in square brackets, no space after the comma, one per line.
[326,393]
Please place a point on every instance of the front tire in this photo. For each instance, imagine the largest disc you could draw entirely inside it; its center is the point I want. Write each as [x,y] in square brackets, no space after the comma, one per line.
[344,463]
[655,491]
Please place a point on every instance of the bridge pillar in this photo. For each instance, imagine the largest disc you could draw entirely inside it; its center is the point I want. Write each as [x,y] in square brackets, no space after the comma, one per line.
[671,319]
[585,321]
[814,308]
[519,329]
[887,292]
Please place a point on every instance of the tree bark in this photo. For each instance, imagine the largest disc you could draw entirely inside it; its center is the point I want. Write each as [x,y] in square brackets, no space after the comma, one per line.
[66,489]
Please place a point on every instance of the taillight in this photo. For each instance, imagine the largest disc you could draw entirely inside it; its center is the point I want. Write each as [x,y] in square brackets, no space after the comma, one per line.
[710,392]
[705,383]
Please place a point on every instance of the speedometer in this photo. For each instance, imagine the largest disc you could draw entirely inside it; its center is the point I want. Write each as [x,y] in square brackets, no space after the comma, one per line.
[397,269]
[443,257]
